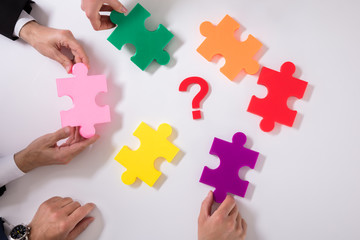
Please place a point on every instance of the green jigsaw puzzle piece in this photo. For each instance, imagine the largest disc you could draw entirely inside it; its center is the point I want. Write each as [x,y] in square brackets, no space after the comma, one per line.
[149,44]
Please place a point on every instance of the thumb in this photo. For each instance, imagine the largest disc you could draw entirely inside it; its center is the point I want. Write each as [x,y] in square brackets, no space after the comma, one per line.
[79,228]
[59,134]
[117,6]
[206,205]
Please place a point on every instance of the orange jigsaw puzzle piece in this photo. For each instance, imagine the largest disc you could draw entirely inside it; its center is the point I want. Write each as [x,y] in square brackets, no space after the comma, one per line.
[221,40]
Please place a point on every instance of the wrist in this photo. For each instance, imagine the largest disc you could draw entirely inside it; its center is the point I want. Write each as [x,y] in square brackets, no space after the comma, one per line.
[23,162]
[32,235]
[29,32]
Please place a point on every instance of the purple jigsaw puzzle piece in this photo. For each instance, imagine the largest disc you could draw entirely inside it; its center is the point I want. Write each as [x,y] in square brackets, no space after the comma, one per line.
[233,156]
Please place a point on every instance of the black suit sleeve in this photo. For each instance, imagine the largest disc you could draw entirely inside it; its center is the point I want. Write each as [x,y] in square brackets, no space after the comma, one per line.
[10,11]
[2,190]
[2,231]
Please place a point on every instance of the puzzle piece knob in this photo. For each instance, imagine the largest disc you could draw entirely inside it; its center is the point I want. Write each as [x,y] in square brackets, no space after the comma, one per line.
[79,69]
[128,178]
[165,130]
[206,28]
[239,138]
[288,68]
[163,58]
[267,125]
[87,132]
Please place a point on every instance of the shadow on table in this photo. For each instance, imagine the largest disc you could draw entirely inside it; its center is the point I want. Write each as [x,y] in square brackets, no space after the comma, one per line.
[250,218]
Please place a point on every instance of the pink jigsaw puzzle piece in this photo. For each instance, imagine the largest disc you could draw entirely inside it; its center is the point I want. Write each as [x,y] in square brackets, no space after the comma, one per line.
[82,89]
[233,156]
[281,85]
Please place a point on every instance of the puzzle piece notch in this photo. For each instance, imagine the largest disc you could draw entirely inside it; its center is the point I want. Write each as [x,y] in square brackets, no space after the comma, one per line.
[281,85]
[140,163]
[83,89]
[149,45]
[221,41]
[233,156]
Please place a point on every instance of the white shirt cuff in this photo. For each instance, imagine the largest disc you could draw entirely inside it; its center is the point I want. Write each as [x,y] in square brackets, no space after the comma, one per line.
[24,18]
[9,170]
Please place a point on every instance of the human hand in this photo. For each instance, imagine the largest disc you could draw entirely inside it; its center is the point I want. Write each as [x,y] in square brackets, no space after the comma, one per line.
[60,218]
[49,41]
[224,224]
[92,8]
[45,151]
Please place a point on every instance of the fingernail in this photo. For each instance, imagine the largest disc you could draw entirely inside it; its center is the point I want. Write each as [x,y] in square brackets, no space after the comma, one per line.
[123,9]
[68,68]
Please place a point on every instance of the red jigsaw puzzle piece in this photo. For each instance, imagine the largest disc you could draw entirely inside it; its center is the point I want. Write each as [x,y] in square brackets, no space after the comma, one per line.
[281,85]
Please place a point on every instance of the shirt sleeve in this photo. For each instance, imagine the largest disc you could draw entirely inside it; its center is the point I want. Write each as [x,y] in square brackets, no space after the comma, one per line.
[9,170]
[24,18]
[10,11]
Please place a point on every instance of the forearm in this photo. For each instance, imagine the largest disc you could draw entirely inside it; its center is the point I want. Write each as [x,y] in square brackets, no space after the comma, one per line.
[30,31]
[21,160]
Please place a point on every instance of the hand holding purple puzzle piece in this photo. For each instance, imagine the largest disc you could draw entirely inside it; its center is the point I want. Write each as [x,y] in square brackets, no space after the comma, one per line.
[233,156]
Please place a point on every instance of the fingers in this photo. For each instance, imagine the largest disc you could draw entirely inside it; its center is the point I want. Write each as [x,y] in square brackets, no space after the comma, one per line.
[73,138]
[91,9]
[56,55]
[106,8]
[78,147]
[58,135]
[78,137]
[70,208]
[238,221]
[65,201]
[79,228]
[70,138]
[66,39]
[234,213]
[117,6]
[226,206]
[241,226]
[244,226]
[94,20]
[80,213]
[206,205]
[52,200]
[105,23]
[101,22]
[76,49]
[48,41]
[58,202]
[67,153]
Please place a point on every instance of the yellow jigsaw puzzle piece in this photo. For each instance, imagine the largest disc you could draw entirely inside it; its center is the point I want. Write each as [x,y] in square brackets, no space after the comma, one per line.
[140,163]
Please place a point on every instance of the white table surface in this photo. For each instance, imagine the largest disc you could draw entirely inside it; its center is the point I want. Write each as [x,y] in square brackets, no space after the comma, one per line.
[305,185]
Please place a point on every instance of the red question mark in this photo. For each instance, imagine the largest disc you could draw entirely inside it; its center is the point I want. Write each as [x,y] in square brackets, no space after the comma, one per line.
[204,89]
